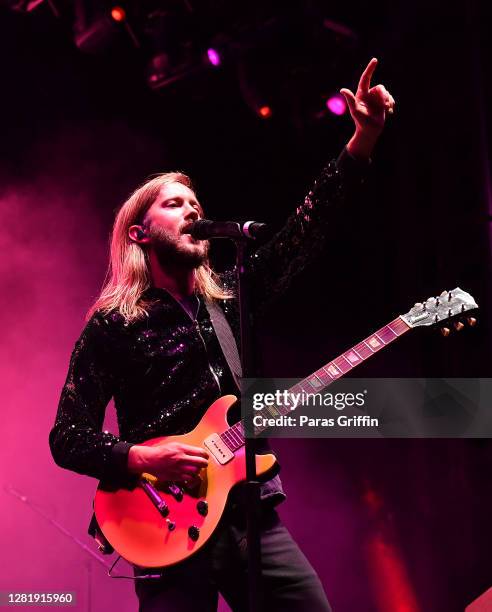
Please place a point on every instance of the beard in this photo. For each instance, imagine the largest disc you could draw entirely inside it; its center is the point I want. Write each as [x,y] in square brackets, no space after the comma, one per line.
[171,252]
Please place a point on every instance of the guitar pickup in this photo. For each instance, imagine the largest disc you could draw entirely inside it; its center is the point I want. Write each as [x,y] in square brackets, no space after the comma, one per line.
[219,449]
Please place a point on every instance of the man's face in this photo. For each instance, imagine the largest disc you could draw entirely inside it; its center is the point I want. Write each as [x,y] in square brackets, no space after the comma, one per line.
[174,209]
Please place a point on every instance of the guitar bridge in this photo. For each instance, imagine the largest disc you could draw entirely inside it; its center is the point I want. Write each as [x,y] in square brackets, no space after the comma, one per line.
[219,449]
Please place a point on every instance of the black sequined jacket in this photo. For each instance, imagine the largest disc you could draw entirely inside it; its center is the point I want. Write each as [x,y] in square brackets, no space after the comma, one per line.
[164,370]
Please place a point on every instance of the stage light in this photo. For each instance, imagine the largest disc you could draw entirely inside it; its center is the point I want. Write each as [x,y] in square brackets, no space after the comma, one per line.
[213,57]
[118,13]
[265,111]
[158,70]
[96,30]
[336,104]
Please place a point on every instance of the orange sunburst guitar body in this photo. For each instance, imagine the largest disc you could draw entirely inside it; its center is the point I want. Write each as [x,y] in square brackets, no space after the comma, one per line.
[147,537]
[155,525]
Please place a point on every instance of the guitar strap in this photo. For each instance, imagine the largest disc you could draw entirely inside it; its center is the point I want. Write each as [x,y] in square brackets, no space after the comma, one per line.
[226,339]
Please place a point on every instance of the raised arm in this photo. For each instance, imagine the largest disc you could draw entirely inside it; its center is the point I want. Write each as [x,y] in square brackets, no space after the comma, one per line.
[308,229]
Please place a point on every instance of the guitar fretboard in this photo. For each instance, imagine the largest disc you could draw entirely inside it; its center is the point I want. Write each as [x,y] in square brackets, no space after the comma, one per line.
[322,378]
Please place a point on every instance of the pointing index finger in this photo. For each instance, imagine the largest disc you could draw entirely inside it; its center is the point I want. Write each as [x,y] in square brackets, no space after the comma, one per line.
[365,79]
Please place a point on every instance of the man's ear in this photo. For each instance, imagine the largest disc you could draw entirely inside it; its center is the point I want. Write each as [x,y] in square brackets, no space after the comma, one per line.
[138,234]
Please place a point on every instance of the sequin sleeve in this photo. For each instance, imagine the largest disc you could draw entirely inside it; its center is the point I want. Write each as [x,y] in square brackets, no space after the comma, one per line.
[77,441]
[307,230]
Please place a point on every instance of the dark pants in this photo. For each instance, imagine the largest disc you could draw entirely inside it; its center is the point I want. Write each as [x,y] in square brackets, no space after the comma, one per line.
[289,582]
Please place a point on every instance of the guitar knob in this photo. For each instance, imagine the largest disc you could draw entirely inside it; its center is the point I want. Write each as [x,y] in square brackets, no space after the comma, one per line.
[202,507]
[445,331]
[194,533]
[175,491]
[458,325]
[163,508]
[472,321]
[171,525]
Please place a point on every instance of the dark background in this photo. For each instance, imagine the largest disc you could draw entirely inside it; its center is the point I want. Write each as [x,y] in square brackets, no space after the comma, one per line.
[75,123]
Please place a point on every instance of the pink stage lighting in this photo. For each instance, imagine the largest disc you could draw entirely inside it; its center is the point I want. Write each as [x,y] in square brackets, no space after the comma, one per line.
[213,57]
[336,104]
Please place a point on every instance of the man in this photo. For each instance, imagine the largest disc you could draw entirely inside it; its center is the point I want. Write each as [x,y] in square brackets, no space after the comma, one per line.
[150,343]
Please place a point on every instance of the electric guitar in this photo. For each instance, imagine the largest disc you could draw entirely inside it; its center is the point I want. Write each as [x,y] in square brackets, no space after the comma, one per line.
[158,524]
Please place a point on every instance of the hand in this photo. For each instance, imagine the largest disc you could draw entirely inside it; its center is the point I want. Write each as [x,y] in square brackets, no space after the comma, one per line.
[369,107]
[169,461]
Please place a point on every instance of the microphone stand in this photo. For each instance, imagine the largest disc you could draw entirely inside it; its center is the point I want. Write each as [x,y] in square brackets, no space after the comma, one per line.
[204,229]
[252,483]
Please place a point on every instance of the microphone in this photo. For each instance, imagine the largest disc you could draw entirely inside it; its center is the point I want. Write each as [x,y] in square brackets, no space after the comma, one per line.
[203,229]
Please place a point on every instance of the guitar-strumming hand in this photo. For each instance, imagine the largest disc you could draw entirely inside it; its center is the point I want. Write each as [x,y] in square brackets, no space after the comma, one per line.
[173,461]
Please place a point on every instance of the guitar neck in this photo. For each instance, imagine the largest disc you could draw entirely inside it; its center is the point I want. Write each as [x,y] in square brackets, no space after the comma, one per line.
[347,361]
[322,378]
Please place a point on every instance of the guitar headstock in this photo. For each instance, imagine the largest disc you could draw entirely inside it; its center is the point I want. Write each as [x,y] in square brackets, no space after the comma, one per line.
[449,306]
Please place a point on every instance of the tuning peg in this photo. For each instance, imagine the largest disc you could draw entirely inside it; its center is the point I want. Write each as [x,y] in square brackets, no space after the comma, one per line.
[458,325]
[417,305]
[445,331]
[471,321]
[450,296]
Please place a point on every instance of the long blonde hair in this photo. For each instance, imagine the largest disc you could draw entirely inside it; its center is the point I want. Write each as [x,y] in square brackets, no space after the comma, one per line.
[128,274]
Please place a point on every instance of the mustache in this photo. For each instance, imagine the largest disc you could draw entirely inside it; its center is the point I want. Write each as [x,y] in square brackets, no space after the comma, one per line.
[169,249]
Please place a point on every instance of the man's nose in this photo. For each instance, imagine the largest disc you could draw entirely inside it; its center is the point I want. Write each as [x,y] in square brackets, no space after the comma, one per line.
[191,212]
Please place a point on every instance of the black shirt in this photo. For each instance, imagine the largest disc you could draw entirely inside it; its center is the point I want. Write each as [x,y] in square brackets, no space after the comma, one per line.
[166,369]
